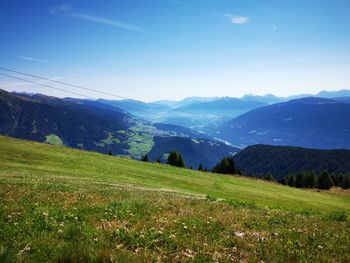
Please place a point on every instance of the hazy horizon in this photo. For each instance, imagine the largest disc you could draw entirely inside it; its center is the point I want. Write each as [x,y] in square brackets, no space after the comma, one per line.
[172,49]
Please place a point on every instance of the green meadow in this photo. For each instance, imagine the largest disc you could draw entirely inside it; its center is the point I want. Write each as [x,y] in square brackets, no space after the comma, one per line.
[64,205]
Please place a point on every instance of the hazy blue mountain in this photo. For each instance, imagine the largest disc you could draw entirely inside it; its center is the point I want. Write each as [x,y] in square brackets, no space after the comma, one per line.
[258,160]
[307,122]
[193,112]
[95,126]
[334,94]
[267,99]
[147,111]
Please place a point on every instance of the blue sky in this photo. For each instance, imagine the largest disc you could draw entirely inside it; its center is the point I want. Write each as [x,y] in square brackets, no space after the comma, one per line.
[171,49]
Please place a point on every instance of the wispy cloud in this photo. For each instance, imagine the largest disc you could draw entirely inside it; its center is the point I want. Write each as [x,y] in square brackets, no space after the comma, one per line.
[239,20]
[107,22]
[66,10]
[33,59]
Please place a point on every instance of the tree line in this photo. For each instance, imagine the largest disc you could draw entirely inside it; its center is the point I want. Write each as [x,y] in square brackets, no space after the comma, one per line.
[324,180]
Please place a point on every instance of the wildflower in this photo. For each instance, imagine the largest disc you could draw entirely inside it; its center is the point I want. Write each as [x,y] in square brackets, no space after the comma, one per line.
[256,234]
[119,246]
[239,234]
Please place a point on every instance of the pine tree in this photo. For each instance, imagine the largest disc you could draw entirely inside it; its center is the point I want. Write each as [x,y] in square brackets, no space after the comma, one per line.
[225,166]
[333,177]
[269,177]
[284,181]
[346,182]
[312,182]
[339,180]
[172,158]
[180,161]
[300,180]
[291,180]
[145,158]
[200,167]
[175,159]
[110,152]
[325,181]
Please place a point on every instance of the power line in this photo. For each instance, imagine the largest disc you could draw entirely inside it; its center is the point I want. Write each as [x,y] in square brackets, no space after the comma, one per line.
[47,86]
[74,93]
[64,83]
[74,86]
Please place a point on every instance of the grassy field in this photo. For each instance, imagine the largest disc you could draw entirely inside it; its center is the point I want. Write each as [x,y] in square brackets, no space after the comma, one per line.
[64,205]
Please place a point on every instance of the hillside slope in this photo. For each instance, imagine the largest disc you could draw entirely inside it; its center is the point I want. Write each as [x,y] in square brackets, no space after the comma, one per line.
[63,205]
[308,122]
[21,158]
[258,160]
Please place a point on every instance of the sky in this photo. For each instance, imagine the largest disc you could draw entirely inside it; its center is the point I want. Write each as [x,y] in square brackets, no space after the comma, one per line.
[172,49]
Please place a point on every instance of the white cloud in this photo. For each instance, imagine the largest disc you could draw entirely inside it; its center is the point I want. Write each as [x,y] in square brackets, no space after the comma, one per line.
[107,22]
[66,10]
[32,59]
[240,20]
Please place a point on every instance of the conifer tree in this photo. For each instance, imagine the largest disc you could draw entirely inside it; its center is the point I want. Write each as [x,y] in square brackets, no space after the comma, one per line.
[180,161]
[269,177]
[145,158]
[175,159]
[284,181]
[325,181]
[312,182]
[225,166]
[291,180]
[346,182]
[300,180]
[200,167]
[339,180]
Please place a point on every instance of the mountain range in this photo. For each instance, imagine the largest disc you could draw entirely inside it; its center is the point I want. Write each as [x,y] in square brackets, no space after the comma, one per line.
[307,122]
[203,130]
[96,126]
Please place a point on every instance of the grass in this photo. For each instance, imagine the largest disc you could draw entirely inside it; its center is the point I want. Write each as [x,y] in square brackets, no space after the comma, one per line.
[64,205]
